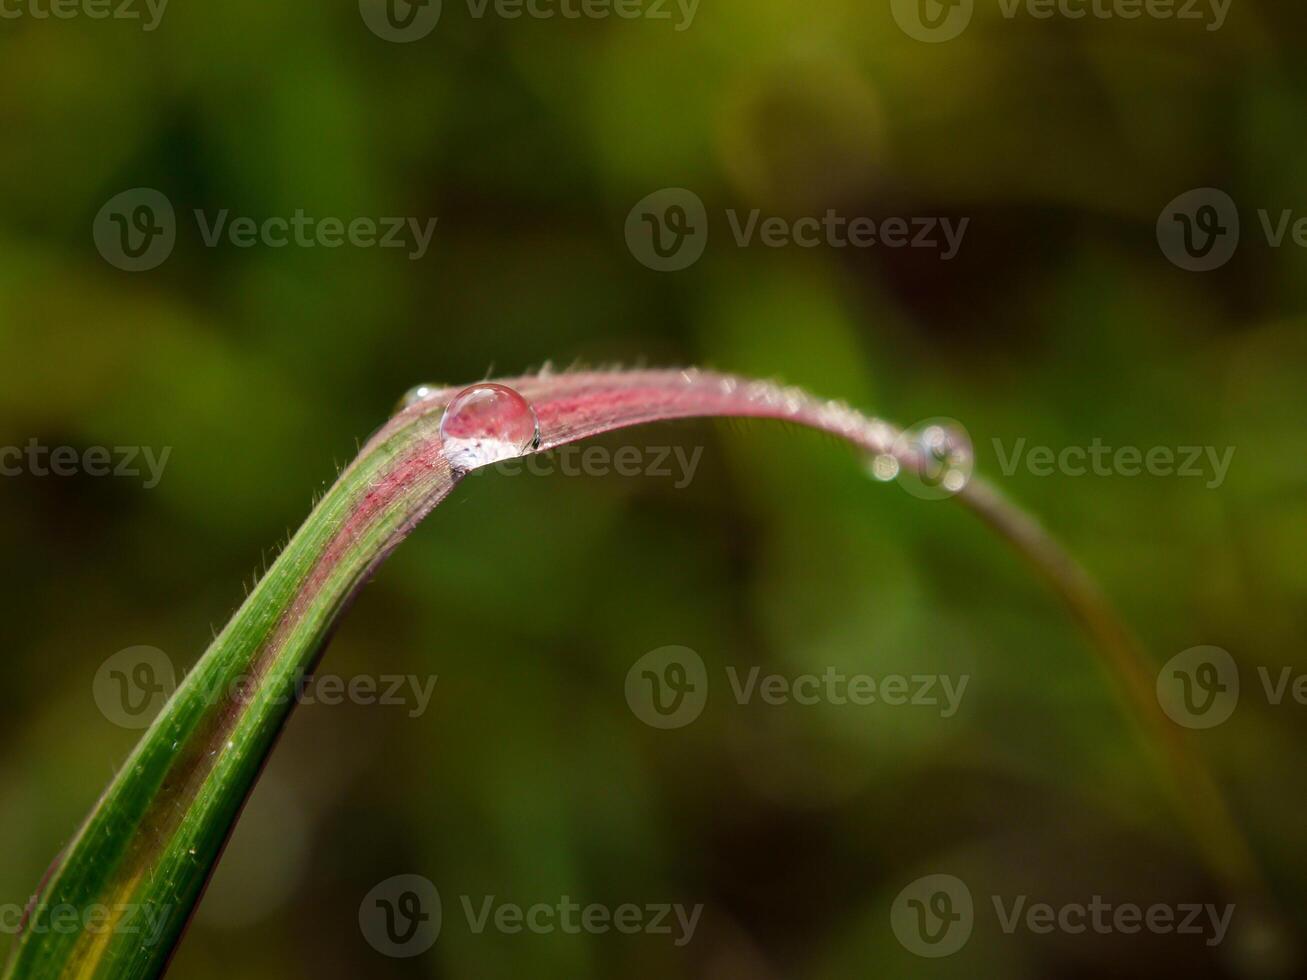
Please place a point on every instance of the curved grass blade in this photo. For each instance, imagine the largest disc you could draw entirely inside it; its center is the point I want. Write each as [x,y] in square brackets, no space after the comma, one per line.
[151,842]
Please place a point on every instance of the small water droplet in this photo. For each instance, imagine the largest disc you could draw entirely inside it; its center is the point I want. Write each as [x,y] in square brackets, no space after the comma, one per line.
[488,423]
[884,467]
[418,393]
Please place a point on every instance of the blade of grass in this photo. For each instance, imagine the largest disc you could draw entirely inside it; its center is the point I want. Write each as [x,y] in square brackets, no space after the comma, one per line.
[1200,801]
[151,842]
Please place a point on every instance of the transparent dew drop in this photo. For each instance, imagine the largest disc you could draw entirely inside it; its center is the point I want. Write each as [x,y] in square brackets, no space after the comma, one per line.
[485,424]
[884,467]
[954,480]
[418,393]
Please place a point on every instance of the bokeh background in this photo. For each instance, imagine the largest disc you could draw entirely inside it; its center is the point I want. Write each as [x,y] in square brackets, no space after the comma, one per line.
[528,777]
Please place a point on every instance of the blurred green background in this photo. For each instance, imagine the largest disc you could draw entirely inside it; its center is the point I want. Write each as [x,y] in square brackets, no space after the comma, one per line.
[528,777]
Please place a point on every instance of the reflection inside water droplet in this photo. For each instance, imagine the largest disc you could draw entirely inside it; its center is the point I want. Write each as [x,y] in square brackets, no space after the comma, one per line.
[487,423]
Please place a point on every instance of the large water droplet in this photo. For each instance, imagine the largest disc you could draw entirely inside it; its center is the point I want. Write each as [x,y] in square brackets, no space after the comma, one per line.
[418,393]
[487,423]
